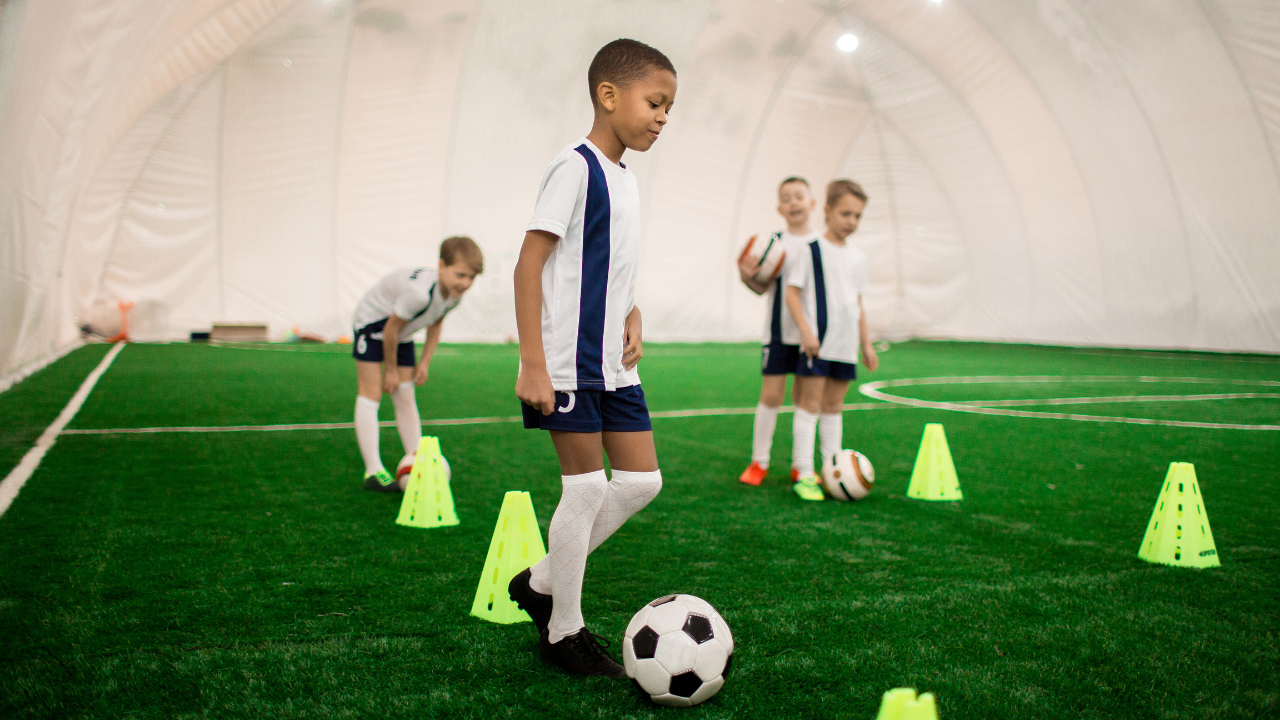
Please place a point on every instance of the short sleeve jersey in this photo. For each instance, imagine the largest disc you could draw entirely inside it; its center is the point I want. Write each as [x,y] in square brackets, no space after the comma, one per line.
[831,278]
[413,294]
[588,283]
[779,326]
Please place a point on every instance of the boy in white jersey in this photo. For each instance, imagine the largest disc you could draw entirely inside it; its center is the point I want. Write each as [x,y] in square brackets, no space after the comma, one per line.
[401,304]
[781,347]
[824,296]
[580,341]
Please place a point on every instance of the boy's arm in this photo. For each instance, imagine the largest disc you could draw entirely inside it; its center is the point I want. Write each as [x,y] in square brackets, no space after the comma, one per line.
[390,343]
[429,349]
[533,386]
[869,357]
[809,343]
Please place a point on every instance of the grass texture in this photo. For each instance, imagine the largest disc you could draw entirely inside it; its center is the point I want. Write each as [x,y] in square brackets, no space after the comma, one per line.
[246,574]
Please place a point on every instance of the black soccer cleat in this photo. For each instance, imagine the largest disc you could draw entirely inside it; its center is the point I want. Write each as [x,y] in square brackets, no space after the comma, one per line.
[529,600]
[382,481]
[581,654]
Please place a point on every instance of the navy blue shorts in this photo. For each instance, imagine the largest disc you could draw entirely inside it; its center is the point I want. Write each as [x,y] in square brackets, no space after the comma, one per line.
[826,368]
[779,359]
[593,411]
[368,346]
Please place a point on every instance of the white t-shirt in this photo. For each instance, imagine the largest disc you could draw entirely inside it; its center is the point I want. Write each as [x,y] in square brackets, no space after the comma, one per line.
[831,278]
[779,326]
[588,283]
[413,294]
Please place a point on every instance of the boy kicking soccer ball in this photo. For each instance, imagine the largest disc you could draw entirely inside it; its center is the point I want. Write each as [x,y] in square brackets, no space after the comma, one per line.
[824,296]
[580,341]
[401,304]
[781,349]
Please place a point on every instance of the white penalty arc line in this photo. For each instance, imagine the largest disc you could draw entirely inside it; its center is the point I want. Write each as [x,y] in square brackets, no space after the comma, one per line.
[18,476]
[873,390]
[660,414]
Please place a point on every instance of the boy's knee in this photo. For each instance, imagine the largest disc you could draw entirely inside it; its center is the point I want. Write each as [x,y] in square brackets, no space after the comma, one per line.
[639,484]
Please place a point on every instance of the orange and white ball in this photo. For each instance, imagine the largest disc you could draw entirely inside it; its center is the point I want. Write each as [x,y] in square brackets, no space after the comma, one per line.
[848,475]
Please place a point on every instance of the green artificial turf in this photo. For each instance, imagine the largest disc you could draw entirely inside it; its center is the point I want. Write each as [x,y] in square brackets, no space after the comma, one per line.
[246,574]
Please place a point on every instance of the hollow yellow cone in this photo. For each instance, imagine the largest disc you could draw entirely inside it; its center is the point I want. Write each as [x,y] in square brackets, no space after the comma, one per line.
[902,704]
[934,476]
[516,545]
[428,501]
[1178,532]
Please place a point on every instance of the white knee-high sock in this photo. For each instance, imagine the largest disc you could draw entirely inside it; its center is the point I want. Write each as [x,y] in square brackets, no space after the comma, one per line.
[367,433]
[762,434]
[627,494]
[408,422]
[803,429]
[830,434]
[568,544]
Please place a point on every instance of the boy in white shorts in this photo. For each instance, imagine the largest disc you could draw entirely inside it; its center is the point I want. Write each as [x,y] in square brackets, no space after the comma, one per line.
[580,341]
[401,304]
[824,296]
[780,349]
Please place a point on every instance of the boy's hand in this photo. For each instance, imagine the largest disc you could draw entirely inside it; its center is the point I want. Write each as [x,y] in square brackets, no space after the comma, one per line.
[420,374]
[809,344]
[390,380]
[747,265]
[533,387]
[632,346]
[869,358]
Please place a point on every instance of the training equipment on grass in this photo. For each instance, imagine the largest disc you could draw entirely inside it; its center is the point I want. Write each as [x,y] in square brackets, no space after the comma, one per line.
[772,255]
[1178,532]
[428,501]
[406,466]
[902,704]
[516,545]
[848,475]
[934,476]
[678,650]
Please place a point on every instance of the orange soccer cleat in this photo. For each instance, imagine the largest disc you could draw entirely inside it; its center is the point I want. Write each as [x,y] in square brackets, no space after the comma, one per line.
[795,475]
[753,475]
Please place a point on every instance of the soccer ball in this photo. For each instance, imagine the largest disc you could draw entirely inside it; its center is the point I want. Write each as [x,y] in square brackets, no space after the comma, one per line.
[848,475]
[678,650]
[406,466]
[772,256]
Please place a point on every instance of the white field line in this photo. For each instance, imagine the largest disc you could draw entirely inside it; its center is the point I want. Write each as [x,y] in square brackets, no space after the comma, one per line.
[661,414]
[18,476]
[872,390]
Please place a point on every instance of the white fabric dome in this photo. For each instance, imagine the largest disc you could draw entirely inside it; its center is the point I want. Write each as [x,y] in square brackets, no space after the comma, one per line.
[1061,171]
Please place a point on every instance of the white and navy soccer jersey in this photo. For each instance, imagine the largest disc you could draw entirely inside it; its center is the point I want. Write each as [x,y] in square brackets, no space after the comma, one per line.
[588,283]
[413,294]
[831,278]
[779,327]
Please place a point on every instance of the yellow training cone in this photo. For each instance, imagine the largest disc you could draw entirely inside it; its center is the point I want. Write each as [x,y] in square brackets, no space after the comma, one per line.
[1178,532]
[428,501]
[516,545]
[902,704]
[934,477]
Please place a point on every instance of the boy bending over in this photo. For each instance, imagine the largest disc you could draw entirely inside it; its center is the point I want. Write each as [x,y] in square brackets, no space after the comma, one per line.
[401,304]
[580,343]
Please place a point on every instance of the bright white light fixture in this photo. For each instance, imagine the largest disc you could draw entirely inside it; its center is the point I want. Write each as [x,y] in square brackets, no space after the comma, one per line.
[848,42]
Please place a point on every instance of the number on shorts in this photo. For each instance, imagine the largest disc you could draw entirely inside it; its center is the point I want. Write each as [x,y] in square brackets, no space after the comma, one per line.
[362,345]
[764,363]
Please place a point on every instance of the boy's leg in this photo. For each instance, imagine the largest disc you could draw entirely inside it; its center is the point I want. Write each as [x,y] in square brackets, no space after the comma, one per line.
[369,385]
[635,483]
[408,421]
[805,424]
[772,391]
[831,421]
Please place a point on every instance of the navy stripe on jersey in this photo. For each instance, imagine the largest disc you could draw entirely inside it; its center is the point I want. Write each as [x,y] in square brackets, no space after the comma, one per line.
[595,275]
[431,297]
[820,290]
[775,315]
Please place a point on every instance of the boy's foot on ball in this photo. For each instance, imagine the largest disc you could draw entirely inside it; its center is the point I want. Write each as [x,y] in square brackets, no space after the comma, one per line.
[580,654]
[753,475]
[529,600]
[381,481]
[809,488]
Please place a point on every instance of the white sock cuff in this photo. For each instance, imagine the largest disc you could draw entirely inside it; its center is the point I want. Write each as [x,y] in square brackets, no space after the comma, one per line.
[401,386]
[767,409]
[830,417]
[584,479]
[360,399]
[803,415]
[628,476]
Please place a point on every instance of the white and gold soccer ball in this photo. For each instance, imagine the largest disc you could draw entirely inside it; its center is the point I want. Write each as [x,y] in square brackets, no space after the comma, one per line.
[678,650]
[772,255]
[406,466]
[848,475]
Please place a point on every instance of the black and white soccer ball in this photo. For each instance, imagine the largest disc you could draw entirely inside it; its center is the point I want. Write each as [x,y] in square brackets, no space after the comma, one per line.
[678,650]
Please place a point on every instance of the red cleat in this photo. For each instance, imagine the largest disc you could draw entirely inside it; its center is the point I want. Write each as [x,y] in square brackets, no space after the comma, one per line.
[795,475]
[753,475]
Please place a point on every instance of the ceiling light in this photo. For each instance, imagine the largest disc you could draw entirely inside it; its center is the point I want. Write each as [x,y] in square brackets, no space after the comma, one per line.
[848,42]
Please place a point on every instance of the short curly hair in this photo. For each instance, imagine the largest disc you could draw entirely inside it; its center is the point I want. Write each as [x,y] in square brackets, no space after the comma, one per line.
[623,62]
